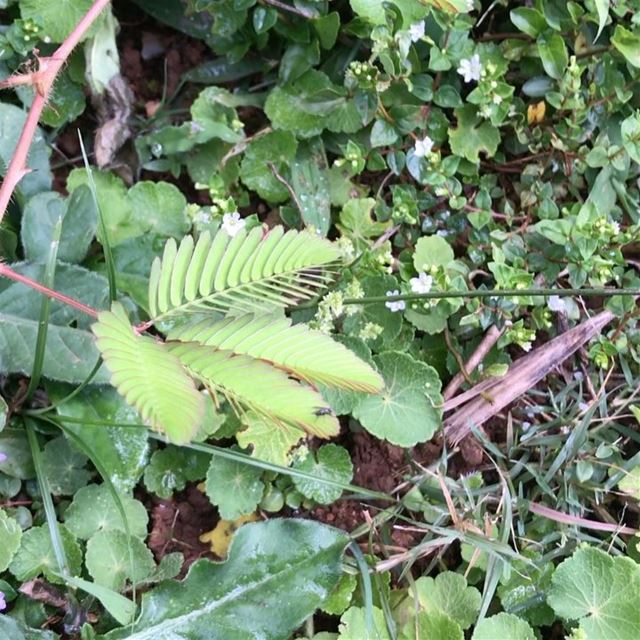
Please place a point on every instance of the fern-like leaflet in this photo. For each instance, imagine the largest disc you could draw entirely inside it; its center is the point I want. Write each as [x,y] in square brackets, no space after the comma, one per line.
[258,360]
[248,272]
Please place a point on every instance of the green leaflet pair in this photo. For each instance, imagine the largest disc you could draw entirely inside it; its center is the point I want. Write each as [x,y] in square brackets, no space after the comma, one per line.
[254,356]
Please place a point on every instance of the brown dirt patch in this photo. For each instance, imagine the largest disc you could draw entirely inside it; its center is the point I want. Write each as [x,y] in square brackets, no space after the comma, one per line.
[177,524]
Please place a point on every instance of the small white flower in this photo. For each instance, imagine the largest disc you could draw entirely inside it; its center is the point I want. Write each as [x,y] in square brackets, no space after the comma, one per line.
[526,346]
[232,223]
[470,5]
[416,31]
[423,147]
[471,69]
[421,284]
[395,305]
[557,304]
[497,99]
[615,228]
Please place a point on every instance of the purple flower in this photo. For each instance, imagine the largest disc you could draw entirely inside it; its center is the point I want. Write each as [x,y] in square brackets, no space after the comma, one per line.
[3,457]
[3,602]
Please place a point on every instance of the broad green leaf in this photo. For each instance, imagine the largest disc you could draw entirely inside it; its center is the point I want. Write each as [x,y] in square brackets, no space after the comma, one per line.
[405,412]
[64,467]
[271,152]
[171,468]
[122,609]
[115,206]
[67,101]
[160,208]
[17,461]
[553,53]
[235,488]
[449,594]
[74,281]
[602,7]
[307,354]
[341,596]
[36,556]
[329,461]
[357,223]
[310,105]
[528,20]
[503,625]
[252,271]
[58,18]
[277,574]
[109,556]
[432,251]
[11,122]
[79,223]
[258,386]
[473,135]
[599,591]
[310,183]
[69,356]
[268,444]
[172,12]
[630,129]
[94,509]
[353,625]
[122,451]
[13,629]
[628,44]
[373,10]
[10,536]
[149,377]
[435,625]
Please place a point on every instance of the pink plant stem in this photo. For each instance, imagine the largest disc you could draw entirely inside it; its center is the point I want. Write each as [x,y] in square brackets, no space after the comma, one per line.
[8,272]
[43,80]
[566,518]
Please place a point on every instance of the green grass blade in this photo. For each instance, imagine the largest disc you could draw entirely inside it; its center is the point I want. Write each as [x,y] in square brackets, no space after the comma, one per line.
[49,509]
[45,308]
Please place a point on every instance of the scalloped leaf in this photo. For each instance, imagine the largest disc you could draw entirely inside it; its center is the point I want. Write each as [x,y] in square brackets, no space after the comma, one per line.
[248,272]
[258,386]
[307,354]
[149,377]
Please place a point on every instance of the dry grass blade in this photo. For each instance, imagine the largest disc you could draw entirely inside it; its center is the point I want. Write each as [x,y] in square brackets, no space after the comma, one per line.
[524,374]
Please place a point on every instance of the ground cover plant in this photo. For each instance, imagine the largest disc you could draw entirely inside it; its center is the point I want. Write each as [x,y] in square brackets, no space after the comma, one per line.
[318,319]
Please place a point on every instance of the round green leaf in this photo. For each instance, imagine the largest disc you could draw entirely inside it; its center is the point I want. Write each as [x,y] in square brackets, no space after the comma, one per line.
[10,536]
[235,488]
[109,559]
[94,509]
[404,412]
[503,625]
[329,461]
[64,467]
[36,555]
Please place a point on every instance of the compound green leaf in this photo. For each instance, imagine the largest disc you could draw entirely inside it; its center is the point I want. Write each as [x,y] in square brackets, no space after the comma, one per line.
[599,591]
[404,412]
[259,386]
[306,354]
[248,272]
[277,574]
[149,377]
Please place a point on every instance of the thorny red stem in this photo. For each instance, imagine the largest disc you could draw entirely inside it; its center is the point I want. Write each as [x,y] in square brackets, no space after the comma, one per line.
[43,80]
[8,272]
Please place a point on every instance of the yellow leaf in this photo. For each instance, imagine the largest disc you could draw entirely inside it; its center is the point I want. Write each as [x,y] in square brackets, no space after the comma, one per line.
[535,112]
[220,537]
